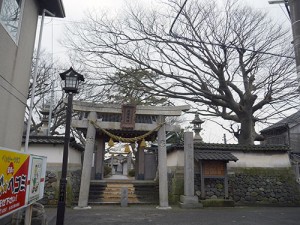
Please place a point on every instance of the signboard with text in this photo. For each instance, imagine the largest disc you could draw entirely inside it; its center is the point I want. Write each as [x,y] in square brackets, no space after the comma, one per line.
[14,167]
[214,168]
[36,178]
[22,180]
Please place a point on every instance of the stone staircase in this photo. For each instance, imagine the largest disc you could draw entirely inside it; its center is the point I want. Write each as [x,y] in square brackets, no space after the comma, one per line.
[109,192]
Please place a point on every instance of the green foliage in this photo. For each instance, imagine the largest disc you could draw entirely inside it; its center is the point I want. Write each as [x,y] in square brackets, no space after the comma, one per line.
[217,203]
[219,186]
[131,173]
[283,173]
[107,170]
[128,86]
[70,196]
[175,137]
[177,187]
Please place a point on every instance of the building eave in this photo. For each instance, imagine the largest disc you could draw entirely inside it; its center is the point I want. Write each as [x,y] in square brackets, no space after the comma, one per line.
[214,155]
[233,147]
[54,6]
[53,140]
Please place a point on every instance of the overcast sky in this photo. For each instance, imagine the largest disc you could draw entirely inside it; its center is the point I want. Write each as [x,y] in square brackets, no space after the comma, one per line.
[75,11]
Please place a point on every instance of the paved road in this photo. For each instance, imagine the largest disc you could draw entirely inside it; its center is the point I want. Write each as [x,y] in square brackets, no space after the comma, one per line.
[149,215]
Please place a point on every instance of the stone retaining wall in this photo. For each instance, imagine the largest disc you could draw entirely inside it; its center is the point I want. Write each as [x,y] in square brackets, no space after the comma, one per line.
[255,187]
[214,187]
[52,187]
[264,187]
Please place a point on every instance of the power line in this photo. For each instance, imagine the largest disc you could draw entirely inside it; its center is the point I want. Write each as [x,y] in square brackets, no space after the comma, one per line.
[220,45]
[288,15]
[12,86]
[13,95]
[181,8]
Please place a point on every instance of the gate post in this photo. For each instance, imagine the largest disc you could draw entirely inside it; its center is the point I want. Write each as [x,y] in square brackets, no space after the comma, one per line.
[87,164]
[189,200]
[162,166]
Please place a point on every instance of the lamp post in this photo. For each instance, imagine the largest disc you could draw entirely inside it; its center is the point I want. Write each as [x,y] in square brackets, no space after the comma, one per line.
[71,78]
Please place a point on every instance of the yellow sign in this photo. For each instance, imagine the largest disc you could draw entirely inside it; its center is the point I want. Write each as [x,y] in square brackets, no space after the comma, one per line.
[13,180]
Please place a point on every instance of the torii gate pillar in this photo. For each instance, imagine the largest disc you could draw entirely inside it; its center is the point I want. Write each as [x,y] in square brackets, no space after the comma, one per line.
[162,166]
[159,112]
[87,162]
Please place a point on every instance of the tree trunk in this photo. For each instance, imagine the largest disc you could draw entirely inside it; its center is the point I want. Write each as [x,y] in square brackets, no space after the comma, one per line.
[248,134]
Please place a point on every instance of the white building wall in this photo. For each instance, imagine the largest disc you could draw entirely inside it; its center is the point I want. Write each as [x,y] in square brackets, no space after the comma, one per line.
[245,159]
[263,160]
[175,159]
[54,154]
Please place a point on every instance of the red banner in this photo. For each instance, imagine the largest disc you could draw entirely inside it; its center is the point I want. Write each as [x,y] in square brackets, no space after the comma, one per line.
[13,180]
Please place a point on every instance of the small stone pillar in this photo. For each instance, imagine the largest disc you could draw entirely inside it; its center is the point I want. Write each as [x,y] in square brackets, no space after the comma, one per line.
[124,196]
[87,164]
[113,171]
[189,200]
[129,163]
[162,166]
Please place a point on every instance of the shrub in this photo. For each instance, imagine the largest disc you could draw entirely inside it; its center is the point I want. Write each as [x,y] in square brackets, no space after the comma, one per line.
[131,173]
[107,170]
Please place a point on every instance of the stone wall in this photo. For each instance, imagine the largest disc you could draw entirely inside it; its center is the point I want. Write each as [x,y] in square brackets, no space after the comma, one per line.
[251,186]
[74,187]
[264,187]
[214,187]
[175,184]
[256,186]
[52,187]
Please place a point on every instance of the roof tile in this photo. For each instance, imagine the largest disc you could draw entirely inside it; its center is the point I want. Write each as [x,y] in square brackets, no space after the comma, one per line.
[233,147]
[214,155]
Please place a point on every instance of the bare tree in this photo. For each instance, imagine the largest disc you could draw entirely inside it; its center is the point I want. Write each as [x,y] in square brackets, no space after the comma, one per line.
[42,89]
[227,61]
[47,75]
[127,86]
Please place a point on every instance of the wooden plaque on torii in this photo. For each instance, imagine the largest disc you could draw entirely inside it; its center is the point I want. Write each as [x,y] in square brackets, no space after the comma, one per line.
[128,117]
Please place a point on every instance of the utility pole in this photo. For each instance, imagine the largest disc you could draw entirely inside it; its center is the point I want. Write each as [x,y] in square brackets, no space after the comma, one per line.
[295,21]
[224,138]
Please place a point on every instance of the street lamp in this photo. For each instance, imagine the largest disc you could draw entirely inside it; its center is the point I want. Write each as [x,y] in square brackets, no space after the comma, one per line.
[71,78]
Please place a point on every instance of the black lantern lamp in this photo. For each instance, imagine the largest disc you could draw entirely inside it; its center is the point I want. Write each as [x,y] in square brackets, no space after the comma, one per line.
[197,127]
[71,78]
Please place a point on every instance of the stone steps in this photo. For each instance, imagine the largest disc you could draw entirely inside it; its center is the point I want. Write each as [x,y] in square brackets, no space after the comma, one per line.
[109,192]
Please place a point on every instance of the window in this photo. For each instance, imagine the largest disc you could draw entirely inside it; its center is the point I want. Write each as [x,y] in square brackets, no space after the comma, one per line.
[10,16]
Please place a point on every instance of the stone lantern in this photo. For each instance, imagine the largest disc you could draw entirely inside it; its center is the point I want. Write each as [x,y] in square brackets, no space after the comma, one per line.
[197,128]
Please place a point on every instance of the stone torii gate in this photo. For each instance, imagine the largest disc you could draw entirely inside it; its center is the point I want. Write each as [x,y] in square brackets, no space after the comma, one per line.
[128,121]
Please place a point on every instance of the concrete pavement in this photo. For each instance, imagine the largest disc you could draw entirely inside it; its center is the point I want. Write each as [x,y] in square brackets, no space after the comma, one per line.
[149,215]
